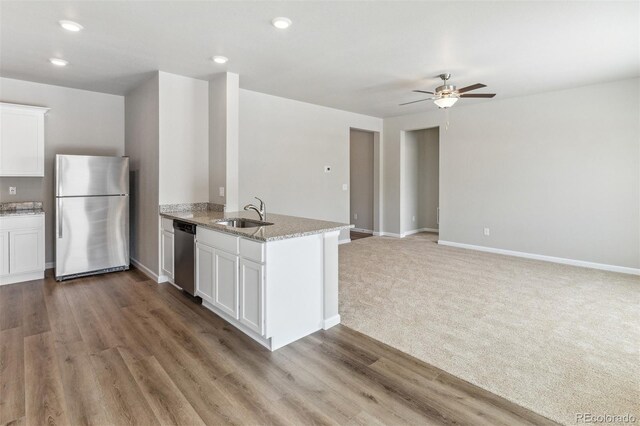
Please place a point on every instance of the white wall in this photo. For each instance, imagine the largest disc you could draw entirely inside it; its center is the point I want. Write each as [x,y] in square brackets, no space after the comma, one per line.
[142,135]
[79,122]
[183,139]
[361,160]
[284,146]
[556,174]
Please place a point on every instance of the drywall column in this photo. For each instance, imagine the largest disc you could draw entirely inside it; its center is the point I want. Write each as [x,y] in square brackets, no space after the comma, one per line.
[184,139]
[142,116]
[224,123]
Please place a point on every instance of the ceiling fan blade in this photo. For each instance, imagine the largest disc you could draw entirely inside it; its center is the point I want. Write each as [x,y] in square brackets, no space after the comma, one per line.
[472,87]
[478,95]
[413,102]
[424,91]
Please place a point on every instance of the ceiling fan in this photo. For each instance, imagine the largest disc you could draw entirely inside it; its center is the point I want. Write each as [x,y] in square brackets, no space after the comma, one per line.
[447,94]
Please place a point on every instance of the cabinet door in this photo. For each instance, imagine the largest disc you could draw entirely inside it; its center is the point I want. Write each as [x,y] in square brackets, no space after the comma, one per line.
[204,271]
[167,253]
[25,246]
[252,295]
[21,142]
[225,282]
[4,252]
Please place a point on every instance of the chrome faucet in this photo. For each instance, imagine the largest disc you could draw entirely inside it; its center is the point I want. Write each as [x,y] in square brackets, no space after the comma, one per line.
[262,211]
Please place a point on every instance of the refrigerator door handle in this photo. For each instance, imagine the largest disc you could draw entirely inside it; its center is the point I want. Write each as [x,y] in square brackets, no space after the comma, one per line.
[59,217]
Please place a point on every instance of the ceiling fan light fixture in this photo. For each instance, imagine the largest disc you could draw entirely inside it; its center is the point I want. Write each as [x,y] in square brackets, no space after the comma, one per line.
[281,22]
[446,101]
[70,26]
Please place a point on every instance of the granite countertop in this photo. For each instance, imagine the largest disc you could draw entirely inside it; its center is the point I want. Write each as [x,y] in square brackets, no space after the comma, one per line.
[283,227]
[24,208]
[22,212]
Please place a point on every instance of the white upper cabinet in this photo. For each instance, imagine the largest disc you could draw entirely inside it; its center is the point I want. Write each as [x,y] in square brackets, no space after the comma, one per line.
[21,140]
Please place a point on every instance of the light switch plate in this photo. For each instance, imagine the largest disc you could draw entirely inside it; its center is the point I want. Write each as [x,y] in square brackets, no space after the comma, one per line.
[487,232]
[12,190]
[221,191]
[345,187]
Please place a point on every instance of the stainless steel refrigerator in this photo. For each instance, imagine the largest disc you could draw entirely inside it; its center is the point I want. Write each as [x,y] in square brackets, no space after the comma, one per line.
[92,215]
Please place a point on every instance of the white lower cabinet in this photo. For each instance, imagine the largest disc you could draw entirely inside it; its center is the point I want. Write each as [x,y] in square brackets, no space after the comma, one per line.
[252,295]
[230,283]
[204,271]
[167,253]
[272,291]
[23,245]
[4,252]
[225,282]
[21,248]
[166,248]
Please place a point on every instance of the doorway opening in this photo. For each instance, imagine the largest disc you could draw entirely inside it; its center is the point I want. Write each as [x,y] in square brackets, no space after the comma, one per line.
[361,183]
[420,181]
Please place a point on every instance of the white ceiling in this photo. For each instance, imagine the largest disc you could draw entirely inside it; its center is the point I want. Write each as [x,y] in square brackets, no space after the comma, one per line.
[358,56]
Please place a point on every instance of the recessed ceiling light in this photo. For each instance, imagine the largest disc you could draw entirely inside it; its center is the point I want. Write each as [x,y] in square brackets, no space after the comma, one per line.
[281,23]
[58,62]
[70,26]
[220,59]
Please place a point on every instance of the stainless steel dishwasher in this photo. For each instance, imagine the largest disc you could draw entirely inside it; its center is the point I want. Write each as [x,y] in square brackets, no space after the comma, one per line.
[184,252]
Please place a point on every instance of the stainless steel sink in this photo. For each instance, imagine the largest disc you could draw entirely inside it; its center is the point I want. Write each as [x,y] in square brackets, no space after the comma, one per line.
[243,223]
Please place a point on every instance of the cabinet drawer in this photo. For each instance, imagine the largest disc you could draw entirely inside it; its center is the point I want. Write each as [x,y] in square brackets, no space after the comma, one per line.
[21,222]
[225,242]
[167,225]
[252,250]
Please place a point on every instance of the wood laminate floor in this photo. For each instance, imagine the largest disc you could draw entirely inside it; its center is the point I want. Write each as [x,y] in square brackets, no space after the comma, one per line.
[355,235]
[119,349]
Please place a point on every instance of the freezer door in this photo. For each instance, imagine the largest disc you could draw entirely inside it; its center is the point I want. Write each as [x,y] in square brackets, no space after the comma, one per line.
[92,234]
[85,175]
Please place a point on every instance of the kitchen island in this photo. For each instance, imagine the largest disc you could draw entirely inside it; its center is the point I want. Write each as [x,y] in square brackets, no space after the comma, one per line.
[277,283]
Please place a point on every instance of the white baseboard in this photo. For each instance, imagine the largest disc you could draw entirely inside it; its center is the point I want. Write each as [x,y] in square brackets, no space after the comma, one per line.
[416,231]
[330,322]
[562,260]
[364,231]
[386,234]
[148,272]
[345,241]
[18,278]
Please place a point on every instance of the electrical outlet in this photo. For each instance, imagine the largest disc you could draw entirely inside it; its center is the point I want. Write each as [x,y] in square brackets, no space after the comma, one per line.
[487,232]
[12,190]
[355,216]
[221,191]
[327,169]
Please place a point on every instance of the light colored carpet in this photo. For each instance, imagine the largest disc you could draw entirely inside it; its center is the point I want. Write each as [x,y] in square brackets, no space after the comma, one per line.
[556,339]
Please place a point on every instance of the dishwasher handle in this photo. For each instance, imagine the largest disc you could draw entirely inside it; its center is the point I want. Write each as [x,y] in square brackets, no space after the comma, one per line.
[189,228]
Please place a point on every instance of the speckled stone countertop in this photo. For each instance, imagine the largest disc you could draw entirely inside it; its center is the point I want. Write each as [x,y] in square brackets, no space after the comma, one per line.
[28,208]
[283,227]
